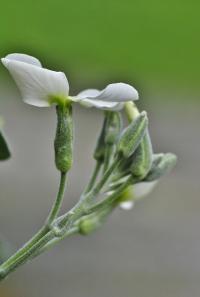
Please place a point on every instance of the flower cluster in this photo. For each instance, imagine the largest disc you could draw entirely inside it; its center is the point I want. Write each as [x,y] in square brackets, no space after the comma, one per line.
[127,168]
[43,87]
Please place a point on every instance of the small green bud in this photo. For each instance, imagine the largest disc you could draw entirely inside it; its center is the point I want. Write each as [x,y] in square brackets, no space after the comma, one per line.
[164,164]
[100,147]
[88,224]
[109,134]
[63,143]
[126,195]
[132,135]
[113,127]
[142,160]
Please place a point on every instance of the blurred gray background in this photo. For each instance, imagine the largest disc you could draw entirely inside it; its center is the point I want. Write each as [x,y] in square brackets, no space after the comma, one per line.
[153,250]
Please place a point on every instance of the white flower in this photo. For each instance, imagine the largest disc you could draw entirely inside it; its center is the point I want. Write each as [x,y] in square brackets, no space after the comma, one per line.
[136,192]
[42,87]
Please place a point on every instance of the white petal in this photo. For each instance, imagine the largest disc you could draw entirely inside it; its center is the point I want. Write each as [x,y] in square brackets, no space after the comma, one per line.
[111,98]
[88,93]
[24,58]
[142,189]
[36,84]
[136,192]
[117,92]
[127,205]
[83,96]
[105,105]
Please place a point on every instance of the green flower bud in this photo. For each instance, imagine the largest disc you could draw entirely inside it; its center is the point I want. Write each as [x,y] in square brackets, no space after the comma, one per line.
[109,134]
[161,166]
[142,160]
[132,135]
[88,224]
[100,147]
[113,127]
[63,143]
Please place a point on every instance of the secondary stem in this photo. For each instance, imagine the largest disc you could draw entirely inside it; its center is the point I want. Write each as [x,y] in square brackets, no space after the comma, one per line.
[107,202]
[94,176]
[58,202]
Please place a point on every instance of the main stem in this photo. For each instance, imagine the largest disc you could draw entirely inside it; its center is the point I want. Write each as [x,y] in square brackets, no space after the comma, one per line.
[22,253]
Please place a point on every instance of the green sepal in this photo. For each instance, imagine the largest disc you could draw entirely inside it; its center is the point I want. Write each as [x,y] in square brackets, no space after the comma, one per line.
[4,150]
[63,143]
[163,164]
[132,135]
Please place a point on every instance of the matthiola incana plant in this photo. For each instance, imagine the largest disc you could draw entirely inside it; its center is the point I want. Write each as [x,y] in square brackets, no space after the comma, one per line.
[126,168]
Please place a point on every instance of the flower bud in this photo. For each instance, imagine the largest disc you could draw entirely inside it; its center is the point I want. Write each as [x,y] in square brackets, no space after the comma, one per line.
[132,135]
[88,224]
[161,166]
[142,160]
[113,127]
[109,133]
[63,143]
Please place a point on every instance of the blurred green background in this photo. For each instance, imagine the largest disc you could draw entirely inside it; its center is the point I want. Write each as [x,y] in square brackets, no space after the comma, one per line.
[154,250]
[153,44]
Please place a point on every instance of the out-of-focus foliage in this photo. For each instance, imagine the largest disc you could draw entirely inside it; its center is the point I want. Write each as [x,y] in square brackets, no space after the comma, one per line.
[148,42]
[4,150]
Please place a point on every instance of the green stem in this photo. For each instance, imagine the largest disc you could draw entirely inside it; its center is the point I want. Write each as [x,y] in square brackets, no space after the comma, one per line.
[79,209]
[46,237]
[55,240]
[25,247]
[94,176]
[39,235]
[105,178]
[58,202]
[107,202]
[9,266]
[108,155]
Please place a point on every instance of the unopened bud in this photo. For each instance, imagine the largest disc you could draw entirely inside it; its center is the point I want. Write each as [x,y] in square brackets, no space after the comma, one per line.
[142,160]
[113,127]
[63,143]
[163,166]
[109,134]
[132,135]
[88,224]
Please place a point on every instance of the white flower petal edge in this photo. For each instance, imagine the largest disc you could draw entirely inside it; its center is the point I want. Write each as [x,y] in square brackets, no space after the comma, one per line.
[116,92]
[112,97]
[139,191]
[127,205]
[36,84]
[24,58]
